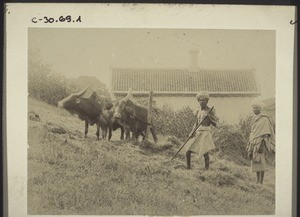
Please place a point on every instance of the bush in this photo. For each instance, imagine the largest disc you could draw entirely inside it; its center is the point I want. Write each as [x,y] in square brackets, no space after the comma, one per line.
[230,142]
[43,84]
[47,87]
[245,126]
[176,123]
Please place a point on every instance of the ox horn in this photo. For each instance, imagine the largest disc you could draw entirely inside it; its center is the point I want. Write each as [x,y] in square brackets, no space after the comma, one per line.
[81,93]
[129,95]
[112,95]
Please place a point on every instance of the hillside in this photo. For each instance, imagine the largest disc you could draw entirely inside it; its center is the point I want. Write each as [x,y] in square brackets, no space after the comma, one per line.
[68,174]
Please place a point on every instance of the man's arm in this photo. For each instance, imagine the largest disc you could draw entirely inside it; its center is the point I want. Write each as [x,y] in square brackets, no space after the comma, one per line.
[213,118]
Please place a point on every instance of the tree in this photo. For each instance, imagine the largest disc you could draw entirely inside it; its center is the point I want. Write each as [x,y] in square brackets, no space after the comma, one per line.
[50,87]
[43,84]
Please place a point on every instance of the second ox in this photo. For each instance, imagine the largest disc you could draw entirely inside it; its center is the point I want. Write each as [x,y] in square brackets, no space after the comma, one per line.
[133,117]
[108,123]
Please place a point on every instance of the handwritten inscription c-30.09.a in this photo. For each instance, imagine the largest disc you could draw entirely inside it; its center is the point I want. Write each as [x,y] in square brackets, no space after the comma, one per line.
[61,19]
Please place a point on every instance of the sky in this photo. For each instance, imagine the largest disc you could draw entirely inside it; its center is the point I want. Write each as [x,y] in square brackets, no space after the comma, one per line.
[76,52]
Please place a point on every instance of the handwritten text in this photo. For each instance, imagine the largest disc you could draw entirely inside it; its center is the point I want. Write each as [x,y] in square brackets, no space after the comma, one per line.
[60,19]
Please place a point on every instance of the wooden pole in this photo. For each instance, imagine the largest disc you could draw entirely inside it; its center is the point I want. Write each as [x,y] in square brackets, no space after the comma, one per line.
[149,114]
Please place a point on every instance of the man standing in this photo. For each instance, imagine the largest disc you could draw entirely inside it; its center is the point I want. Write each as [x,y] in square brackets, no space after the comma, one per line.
[261,140]
[202,141]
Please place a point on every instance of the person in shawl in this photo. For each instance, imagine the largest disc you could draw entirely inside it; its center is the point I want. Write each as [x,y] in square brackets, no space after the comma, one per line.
[201,142]
[261,144]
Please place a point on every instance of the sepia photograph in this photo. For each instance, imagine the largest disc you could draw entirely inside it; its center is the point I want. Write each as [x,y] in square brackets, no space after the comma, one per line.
[109,108]
[171,120]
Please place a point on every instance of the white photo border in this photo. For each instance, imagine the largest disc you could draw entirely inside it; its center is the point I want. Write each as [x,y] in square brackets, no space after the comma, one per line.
[93,15]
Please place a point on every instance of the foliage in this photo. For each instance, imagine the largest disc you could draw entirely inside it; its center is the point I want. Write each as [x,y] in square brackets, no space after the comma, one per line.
[231,143]
[42,83]
[177,123]
[245,126]
[50,87]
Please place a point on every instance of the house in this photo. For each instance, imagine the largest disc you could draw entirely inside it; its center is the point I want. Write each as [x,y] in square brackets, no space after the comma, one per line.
[231,91]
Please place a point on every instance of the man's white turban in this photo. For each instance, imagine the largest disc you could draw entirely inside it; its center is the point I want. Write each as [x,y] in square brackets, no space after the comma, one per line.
[202,94]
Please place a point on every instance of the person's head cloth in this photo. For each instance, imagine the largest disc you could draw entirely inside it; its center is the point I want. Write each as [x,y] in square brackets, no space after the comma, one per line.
[258,101]
[202,94]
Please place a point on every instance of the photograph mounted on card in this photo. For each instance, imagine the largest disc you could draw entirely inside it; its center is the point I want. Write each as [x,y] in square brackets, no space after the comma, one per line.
[149,109]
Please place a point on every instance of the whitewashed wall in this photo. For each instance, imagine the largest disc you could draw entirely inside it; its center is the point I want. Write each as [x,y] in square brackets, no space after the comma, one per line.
[228,109]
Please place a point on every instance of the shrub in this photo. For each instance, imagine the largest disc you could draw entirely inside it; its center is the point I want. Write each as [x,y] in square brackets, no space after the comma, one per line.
[245,126]
[43,84]
[47,87]
[176,123]
[231,143]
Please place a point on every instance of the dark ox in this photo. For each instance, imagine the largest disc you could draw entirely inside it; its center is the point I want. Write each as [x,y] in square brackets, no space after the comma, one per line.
[108,123]
[88,109]
[133,118]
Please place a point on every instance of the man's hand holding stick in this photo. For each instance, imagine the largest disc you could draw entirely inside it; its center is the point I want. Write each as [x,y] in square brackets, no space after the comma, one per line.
[192,133]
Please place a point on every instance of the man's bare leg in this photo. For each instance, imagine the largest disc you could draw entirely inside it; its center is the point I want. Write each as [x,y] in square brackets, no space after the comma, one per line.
[206,160]
[258,177]
[262,174]
[188,159]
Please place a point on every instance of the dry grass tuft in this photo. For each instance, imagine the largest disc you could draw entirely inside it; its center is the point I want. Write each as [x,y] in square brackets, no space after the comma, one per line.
[152,147]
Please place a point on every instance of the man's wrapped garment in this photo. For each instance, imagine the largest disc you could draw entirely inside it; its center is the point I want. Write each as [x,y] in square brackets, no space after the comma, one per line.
[202,142]
[261,144]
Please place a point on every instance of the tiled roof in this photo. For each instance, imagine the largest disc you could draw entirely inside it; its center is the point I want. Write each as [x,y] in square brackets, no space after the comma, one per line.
[182,81]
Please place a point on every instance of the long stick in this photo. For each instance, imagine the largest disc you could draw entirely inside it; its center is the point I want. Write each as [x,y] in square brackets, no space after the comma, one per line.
[149,114]
[191,134]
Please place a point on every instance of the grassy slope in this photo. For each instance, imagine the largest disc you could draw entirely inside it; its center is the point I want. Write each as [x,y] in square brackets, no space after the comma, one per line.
[68,174]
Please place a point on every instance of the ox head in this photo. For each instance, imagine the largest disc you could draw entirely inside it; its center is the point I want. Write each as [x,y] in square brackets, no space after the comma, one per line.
[105,102]
[86,108]
[69,103]
[124,110]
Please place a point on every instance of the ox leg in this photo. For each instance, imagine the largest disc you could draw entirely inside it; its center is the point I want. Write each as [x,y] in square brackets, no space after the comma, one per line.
[153,132]
[137,136]
[143,135]
[104,132]
[86,129]
[127,135]
[134,135]
[109,133]
[98,131]
[122,133]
